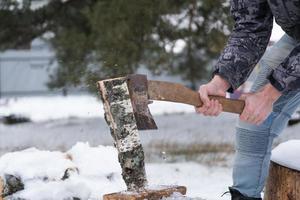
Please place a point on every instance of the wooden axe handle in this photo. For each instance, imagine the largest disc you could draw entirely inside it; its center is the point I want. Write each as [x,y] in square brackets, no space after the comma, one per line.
[166,91]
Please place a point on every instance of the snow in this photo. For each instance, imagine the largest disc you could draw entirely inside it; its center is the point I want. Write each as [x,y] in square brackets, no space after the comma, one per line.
[207,182]
[43,108]
[287,154]
[38,164]
[99,173]
[54,107]
[41,172]
[84,157]
[179,196]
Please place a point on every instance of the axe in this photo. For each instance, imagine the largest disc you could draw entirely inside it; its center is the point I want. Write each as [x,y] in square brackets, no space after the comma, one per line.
[142,91]
[125,101]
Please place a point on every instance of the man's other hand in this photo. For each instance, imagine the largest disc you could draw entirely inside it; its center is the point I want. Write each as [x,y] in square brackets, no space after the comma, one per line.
[259,105]
[217,86]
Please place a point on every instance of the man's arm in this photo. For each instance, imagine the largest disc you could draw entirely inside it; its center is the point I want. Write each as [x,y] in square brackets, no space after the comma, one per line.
[286,76]
[248,40]
[246,45]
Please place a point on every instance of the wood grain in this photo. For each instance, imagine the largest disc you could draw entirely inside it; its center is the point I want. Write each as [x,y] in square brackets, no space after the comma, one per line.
[121,121]
[175,92]
[282,184]
[149,194]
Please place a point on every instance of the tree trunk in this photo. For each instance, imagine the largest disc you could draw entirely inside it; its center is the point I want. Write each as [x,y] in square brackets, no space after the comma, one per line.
[120,118]
[283,183]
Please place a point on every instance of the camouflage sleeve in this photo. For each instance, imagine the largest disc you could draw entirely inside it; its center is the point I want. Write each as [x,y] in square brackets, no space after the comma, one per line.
[247,42]
[286,76]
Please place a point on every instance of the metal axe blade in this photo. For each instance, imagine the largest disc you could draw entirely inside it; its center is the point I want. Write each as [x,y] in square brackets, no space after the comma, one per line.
[138,91]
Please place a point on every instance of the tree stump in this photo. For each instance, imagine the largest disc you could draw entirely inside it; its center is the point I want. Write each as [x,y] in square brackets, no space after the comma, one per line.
[283,183]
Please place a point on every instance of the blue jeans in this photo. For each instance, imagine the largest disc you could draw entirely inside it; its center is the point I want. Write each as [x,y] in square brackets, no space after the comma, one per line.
[254,143]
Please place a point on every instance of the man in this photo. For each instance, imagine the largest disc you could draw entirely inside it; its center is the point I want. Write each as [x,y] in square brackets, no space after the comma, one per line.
[275,94]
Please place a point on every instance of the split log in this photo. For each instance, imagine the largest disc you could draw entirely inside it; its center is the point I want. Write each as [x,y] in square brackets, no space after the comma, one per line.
[283,183]
[119,116]
[9,184]
[149,194]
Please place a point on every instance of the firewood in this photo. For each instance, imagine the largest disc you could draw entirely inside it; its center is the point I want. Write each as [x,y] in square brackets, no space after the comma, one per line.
[9,184]
[119,116]
[149,194]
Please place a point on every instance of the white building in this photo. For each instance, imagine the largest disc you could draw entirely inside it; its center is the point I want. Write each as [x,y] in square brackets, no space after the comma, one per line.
[26,71]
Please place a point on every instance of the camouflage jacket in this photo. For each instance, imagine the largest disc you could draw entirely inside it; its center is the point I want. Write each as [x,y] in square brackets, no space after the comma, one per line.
[250,37]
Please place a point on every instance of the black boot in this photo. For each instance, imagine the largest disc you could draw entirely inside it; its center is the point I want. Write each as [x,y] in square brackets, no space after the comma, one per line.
[236,195]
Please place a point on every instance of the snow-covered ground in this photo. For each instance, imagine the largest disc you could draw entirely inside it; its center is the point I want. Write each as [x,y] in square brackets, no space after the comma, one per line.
[58,123]
[99,173]
[45,108]
[187,149]
[60,126]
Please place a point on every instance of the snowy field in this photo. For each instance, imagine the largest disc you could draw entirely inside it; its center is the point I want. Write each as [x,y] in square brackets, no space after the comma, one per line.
[98,172]
[60,122]
[187,149]
[45,108]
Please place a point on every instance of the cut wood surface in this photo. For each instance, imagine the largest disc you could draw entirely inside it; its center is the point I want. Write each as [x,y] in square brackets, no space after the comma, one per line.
[283,183]
[149,194]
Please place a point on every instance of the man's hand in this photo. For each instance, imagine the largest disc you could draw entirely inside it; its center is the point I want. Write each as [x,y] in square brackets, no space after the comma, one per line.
[217,86]
[259,105]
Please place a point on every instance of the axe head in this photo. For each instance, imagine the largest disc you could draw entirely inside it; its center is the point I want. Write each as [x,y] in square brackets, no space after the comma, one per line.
[138,91]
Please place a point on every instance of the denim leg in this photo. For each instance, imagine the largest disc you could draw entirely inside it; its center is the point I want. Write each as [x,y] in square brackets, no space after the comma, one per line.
[253,146]
[254,143]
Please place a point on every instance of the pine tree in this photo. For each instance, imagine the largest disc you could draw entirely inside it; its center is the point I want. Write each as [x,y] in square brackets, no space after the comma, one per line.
[99,39]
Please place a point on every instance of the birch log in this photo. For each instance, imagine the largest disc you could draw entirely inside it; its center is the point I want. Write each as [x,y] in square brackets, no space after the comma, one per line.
[120,118]
[283,183]
[9,184]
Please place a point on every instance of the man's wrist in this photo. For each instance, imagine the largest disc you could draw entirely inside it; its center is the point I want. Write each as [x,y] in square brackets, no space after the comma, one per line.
[220,83]
[271,92]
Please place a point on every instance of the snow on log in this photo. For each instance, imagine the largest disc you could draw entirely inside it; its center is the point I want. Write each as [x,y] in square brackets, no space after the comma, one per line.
[18,167]
[284,175]
[287,154]
[83,172]
[120,118]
